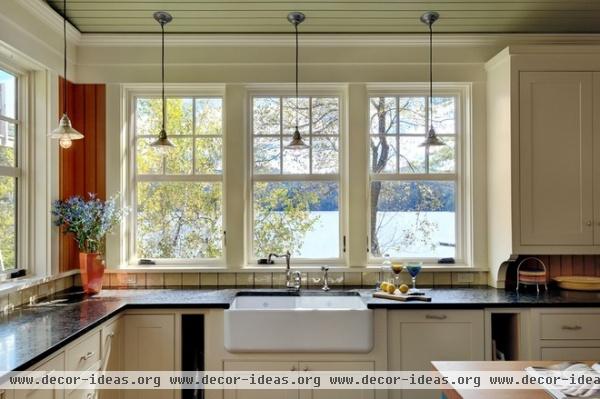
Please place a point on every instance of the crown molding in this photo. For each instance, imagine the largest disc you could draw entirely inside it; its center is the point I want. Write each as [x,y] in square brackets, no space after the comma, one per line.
[41,10]
[330,40]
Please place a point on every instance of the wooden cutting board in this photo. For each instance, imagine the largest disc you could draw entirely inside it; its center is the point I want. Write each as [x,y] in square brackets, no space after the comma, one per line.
[402,298]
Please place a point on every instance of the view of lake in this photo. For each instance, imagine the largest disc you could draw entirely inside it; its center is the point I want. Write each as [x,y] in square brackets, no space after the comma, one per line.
[323,240]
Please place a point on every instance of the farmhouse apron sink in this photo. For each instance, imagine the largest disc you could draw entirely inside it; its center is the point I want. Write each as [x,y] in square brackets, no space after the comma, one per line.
[298,323]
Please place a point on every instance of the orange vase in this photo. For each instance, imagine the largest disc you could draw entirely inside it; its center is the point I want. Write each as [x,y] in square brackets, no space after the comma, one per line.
[92,271]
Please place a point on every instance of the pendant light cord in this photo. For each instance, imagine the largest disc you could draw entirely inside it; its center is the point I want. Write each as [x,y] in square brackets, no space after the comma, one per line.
[296,28]
[430,75]
[162,61]
[65,56]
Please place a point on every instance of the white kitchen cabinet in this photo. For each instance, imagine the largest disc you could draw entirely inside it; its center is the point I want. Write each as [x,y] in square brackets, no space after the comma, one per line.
[543,151]
[556,158]
[418,337]
[52,365]
[262,365]
[112,353]
[566,334]
[149,340]
[337,394]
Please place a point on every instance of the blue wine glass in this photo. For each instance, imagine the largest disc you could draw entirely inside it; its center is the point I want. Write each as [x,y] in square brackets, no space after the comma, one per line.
[414,268]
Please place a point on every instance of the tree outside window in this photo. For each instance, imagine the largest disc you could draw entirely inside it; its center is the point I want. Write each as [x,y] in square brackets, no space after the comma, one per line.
[412,189]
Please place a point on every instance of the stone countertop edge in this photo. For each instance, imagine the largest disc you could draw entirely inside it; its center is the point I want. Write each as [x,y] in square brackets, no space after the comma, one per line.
[74,320]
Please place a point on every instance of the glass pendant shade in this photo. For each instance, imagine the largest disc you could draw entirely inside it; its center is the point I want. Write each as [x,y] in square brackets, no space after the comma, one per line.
[296,18]
[297,143]
[65,132]
[432,139]
[162,144]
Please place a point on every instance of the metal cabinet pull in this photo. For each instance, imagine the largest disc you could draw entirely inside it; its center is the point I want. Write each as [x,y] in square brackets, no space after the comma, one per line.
[87,356]
[436,316]
[588,223]
[572,328]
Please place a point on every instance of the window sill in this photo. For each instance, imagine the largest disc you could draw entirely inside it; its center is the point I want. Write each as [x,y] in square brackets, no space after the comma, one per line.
[279,267]
[18,284]
[168,269]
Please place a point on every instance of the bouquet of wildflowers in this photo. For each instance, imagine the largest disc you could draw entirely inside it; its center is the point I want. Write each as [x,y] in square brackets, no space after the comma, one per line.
[89,221]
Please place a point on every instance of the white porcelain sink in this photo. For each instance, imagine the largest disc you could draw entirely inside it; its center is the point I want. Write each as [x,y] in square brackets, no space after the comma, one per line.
[305,323]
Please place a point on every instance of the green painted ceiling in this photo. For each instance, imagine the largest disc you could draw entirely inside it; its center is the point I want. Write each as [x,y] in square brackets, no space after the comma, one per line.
[335,16]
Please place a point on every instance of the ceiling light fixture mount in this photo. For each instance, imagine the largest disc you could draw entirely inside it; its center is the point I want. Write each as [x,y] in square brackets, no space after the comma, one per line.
[296,18]
[432,139]
[64,133]
[162,144]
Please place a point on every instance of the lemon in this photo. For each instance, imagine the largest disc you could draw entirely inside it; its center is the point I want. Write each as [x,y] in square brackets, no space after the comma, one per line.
[384,286]
[391,288]
[403,288]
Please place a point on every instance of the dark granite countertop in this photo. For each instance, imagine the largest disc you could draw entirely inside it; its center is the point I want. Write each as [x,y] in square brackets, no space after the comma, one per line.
[30,334]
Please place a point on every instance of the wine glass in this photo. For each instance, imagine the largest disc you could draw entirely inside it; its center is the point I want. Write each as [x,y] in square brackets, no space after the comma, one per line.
[397,268]
[414,268]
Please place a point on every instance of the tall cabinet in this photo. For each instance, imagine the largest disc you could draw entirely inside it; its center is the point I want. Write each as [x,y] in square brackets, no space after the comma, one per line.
[543,153]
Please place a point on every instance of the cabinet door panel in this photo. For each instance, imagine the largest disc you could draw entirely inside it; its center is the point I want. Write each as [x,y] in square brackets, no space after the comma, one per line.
[343,393]
[230,365]
[57,363]
[419,337]
[150,345]
[555,158]
[596,177]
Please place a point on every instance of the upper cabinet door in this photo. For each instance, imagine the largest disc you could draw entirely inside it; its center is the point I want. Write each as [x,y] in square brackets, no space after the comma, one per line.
[556,158]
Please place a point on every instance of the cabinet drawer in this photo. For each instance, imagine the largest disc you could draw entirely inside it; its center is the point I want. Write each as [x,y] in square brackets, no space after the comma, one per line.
[570,326]
[569,354]
[85,353]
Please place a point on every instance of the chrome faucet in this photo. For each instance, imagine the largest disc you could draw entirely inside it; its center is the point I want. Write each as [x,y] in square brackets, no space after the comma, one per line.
[325,271]
[293,279]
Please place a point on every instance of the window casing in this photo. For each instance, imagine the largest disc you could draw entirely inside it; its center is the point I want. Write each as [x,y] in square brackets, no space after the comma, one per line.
[177,214]
[296,196]
[10,170]
[416,207]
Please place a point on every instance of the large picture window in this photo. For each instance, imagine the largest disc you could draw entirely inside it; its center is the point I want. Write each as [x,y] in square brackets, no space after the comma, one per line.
[413,190]
[9,170]
[296,193]
[178,199]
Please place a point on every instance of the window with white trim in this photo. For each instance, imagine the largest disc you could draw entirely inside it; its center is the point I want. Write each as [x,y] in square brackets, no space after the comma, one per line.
[414,207]
[295,198]
[178,199]
[9,170]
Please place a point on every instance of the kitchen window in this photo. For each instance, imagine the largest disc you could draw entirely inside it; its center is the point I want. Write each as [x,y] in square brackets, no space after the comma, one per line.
[9,170]
[178,200]
[296,194]
[415,204]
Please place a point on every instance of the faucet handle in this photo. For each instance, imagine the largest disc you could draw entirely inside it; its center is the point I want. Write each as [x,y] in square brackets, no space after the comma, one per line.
[324,268]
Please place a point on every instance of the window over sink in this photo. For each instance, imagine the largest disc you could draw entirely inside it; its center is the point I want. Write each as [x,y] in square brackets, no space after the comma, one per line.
[414,191]
[296,194]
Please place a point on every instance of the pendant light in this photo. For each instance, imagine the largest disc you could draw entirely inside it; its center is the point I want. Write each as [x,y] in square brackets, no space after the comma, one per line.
[162,144]
[64,133]
[432,138]
[296,18]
